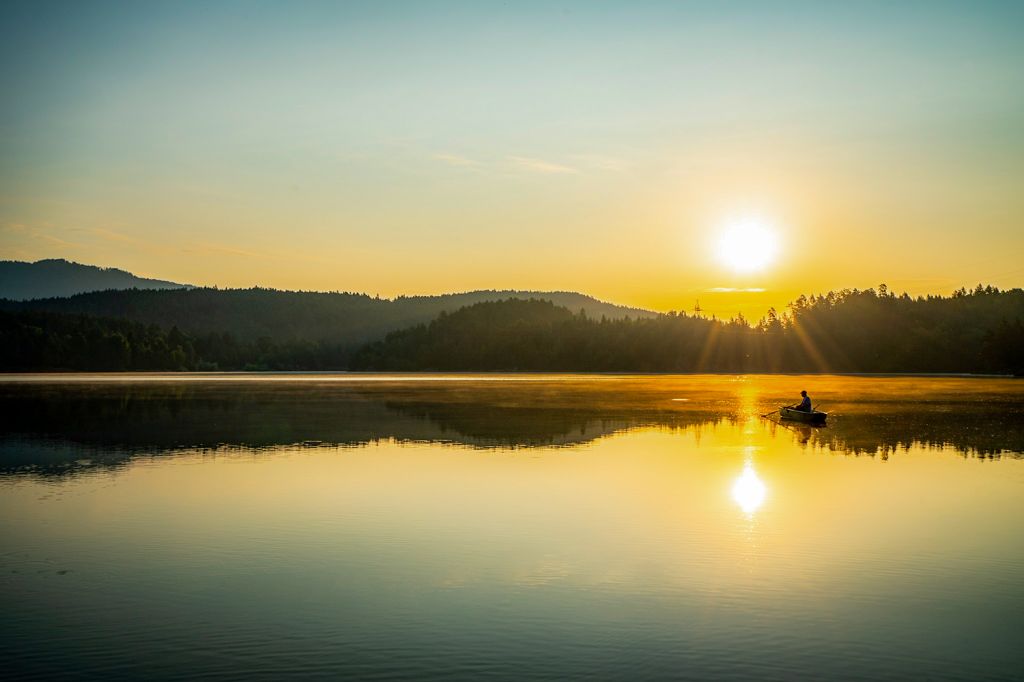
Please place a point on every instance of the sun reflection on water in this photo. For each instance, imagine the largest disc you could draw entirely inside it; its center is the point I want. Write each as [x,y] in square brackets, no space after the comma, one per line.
[749,491]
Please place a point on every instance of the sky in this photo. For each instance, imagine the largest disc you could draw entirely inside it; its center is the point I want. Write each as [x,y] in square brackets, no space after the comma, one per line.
[606,148]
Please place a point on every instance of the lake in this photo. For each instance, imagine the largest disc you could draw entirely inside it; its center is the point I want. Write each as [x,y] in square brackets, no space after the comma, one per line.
[510,527]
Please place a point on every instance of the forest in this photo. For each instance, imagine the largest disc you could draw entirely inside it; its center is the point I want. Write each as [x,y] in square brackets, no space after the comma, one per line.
[971,331]
[44,341]
[288,317]
[975,331]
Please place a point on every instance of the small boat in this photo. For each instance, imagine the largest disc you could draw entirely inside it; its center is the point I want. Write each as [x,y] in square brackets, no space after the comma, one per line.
[814,417]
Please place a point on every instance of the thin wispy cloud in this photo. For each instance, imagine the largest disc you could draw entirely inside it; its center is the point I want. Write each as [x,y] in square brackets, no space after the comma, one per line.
[735,290]
[599,162]
[581,163]
[137,244]
[541,166]
[457,160]
[195,249]
[210,249]
[38,234]
[112,236]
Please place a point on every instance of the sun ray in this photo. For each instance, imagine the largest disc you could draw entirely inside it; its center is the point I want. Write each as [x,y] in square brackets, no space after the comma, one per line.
[807,343]
[708,347]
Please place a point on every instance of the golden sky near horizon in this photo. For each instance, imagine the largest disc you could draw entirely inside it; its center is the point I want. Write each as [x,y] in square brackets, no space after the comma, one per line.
[601,148]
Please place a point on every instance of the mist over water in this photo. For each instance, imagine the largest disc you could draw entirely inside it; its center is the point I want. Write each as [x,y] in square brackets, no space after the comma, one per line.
[518,527]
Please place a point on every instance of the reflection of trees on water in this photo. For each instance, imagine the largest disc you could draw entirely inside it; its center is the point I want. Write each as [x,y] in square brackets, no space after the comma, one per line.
[975,431]
[72,427]
[482,425]
[55,428]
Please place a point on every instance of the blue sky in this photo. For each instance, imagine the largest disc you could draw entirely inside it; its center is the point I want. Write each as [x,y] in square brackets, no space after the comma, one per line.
[419,147]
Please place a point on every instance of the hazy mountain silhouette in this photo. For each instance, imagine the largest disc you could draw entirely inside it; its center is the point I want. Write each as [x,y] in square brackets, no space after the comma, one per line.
[258,329]
[286,316]
[58,277]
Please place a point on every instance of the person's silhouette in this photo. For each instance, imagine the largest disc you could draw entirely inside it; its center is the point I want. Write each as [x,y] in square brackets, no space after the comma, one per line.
[805,404]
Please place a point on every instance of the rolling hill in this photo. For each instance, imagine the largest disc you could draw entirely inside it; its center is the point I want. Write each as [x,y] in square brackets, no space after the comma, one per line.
[290,316]
[58,277]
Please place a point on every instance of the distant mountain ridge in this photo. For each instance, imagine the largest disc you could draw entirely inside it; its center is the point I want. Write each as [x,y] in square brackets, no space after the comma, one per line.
[53,277]
[345,318]
[979,331]
[572,300]
[341,318]
[291,316]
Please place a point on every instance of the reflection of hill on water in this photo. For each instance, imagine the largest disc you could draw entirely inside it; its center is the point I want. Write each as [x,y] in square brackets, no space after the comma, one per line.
[490,426]
[47,427]
[50,427]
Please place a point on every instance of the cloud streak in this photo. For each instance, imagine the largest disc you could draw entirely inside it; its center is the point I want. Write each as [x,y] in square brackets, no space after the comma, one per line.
[457,160]
[737,290]
[37,234]
[531,164]
[601,163]
[541,166]
[212,249]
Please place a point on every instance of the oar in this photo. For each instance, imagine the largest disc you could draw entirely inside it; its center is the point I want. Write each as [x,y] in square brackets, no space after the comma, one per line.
[772,412]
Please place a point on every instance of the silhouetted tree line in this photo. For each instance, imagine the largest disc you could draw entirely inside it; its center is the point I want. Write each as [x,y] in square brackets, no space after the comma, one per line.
[33,341]
[845,331]
[285,316]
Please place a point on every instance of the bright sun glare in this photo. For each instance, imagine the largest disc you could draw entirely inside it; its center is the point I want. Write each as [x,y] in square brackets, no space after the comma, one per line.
[747,246]
[748,491]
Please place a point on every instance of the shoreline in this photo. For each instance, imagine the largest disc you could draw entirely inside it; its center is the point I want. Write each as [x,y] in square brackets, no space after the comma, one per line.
[22,377]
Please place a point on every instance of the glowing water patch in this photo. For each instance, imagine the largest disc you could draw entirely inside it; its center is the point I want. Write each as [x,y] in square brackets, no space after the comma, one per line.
[749,491]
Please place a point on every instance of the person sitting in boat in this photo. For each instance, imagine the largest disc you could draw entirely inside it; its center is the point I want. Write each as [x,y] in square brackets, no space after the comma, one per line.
[805,404]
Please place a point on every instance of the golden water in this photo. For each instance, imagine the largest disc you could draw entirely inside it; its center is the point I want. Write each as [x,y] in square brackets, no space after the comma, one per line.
[524,527]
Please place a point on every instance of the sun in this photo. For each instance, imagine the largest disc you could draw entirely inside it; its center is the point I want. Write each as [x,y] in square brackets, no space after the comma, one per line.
[747,246]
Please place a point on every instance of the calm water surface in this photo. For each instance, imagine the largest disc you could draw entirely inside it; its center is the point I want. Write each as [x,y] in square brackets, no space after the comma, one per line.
[523,527]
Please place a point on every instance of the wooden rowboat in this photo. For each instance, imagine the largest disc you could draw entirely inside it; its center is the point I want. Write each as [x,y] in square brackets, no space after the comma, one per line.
[814,417]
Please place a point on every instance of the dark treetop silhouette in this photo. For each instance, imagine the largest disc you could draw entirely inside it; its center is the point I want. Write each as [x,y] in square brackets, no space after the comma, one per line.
[979,331]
